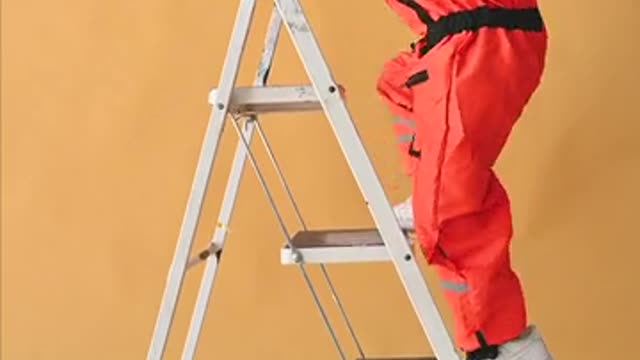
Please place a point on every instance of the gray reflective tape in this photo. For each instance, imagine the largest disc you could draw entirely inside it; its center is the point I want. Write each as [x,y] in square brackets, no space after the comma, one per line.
[455,287]
[405,138]
[408,122]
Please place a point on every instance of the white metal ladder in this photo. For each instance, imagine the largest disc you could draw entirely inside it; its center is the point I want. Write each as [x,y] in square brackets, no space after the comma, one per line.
[387,242]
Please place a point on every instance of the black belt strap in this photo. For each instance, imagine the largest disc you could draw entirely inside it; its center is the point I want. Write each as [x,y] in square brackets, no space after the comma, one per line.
[527,19]
[422,13]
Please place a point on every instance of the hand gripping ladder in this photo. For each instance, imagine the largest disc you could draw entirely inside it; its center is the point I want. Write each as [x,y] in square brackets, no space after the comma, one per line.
[387,242]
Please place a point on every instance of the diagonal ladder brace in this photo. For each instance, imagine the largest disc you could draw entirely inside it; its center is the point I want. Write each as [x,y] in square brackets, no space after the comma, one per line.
[386,242]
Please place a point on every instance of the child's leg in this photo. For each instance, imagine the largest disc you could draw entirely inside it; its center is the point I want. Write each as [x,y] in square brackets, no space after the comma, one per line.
[465,113]
[398,99]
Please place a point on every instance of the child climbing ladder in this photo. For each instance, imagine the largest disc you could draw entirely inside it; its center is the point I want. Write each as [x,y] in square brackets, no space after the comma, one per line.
[456,95]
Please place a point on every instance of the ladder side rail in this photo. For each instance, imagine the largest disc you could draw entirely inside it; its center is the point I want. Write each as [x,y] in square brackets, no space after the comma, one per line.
[367,179]
[208,151]
[230,196]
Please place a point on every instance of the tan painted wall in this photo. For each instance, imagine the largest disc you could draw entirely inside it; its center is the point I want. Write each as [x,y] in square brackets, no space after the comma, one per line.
[103,110]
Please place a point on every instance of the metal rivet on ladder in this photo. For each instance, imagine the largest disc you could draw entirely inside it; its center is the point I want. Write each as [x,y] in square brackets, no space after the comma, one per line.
[407,257]
[332,89]
[296,256]
[220,106]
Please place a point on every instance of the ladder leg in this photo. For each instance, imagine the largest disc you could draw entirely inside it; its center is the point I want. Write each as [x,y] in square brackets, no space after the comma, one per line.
[230,195]
[366,178]
[213,134]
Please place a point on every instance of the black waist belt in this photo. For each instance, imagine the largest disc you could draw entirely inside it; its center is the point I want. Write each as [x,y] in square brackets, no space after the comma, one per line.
[527,19]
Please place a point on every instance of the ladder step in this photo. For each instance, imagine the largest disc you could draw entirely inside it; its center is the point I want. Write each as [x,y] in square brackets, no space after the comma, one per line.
[336,246]
[265,99]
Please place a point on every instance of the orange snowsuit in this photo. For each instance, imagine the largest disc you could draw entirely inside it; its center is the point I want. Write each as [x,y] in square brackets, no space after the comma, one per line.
[464,84]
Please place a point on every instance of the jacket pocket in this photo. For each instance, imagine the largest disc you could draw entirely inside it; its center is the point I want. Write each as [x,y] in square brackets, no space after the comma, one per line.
[417,78]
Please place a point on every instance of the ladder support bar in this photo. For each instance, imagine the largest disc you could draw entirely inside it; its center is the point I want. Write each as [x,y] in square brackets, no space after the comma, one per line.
[208,151]
[230,194]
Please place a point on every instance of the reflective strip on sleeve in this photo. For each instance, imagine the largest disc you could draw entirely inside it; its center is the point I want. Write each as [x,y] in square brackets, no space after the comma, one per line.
[405,138]
[410,123]
[455,287]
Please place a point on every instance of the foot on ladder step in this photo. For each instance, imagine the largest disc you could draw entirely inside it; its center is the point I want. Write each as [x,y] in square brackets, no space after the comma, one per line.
[404,214]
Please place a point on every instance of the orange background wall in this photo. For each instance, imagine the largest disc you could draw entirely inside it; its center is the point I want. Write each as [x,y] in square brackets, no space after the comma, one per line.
[104,106]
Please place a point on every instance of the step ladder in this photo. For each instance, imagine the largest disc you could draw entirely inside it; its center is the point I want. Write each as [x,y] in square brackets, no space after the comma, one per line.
[386,242]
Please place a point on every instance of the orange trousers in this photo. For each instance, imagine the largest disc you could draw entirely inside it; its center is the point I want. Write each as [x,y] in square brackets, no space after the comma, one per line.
[465,90]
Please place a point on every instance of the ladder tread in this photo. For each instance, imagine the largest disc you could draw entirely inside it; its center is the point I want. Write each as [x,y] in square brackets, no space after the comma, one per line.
[337,246]
[273,98]
[337,238]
